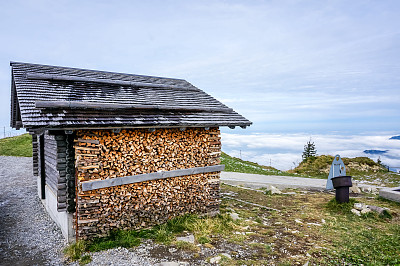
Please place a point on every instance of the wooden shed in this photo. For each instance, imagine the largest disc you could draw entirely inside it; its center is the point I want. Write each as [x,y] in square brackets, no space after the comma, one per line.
[113,150]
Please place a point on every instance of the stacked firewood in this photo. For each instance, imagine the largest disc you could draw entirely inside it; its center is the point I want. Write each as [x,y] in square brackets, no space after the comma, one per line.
[104,154]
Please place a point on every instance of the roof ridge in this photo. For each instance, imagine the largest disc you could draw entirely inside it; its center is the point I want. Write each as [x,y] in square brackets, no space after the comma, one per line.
[95,70]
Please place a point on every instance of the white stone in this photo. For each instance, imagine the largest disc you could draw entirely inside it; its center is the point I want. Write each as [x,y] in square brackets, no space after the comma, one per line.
[171,263]
[314,224]
[215,260]
[234,216]
[273,190]
[355,189]
[359,206]
[366,189]
[298,221]
[188,238]
[172,250]
[226,255]
[356,212]
[366,210]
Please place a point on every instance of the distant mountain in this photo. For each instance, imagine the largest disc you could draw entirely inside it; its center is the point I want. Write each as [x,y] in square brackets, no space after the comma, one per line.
[395,137]
[374,152]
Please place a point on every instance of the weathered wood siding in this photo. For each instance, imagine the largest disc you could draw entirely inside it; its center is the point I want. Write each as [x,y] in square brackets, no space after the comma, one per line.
[55,161]
[103,154]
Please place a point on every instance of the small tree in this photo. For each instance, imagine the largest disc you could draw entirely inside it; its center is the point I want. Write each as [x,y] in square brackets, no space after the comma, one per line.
[309,150]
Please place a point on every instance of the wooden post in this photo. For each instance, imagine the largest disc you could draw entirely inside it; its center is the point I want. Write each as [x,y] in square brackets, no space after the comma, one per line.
[42,167]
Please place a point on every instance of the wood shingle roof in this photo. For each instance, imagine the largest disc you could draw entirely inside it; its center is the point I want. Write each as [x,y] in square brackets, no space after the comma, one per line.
[62,97]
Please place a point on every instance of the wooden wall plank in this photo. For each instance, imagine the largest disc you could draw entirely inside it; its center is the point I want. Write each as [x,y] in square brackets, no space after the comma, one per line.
[97,184]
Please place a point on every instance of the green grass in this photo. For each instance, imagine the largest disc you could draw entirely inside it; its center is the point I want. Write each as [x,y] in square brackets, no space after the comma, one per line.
[76,252]
[341,238]
[120,238]
[16,146]
[183,245]
[341,208]
[233,164]
[371,246]
[371,239]
[200,227]
[368,240]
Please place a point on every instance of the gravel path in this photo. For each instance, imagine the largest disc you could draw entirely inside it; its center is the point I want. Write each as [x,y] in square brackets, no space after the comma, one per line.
[28,236]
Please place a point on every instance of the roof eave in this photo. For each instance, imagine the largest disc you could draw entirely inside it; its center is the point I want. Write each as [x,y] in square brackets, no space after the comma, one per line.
[99,127]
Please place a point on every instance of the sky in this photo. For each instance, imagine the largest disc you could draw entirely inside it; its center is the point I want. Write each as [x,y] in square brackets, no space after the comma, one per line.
[311,68]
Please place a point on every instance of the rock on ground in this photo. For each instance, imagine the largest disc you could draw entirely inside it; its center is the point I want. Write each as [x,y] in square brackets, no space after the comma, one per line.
[189,238]
[273,190]
[356,212]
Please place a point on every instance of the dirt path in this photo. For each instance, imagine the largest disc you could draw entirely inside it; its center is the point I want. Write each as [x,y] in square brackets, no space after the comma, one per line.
[28,236]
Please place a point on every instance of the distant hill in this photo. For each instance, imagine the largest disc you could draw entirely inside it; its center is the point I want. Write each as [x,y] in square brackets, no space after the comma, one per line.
[395,137]
[375,152]
[16,146]
[319,166]
[233,164]
[360,168]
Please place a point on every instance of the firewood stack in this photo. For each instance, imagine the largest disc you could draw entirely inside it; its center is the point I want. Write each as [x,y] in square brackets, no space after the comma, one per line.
[103,154]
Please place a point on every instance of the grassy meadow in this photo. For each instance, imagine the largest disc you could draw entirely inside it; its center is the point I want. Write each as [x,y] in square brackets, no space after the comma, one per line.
[16,146]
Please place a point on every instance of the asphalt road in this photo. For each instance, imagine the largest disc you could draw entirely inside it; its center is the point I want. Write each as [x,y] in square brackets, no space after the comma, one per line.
[280,182]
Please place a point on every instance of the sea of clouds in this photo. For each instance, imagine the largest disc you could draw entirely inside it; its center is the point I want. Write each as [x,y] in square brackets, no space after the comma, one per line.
[283,151]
